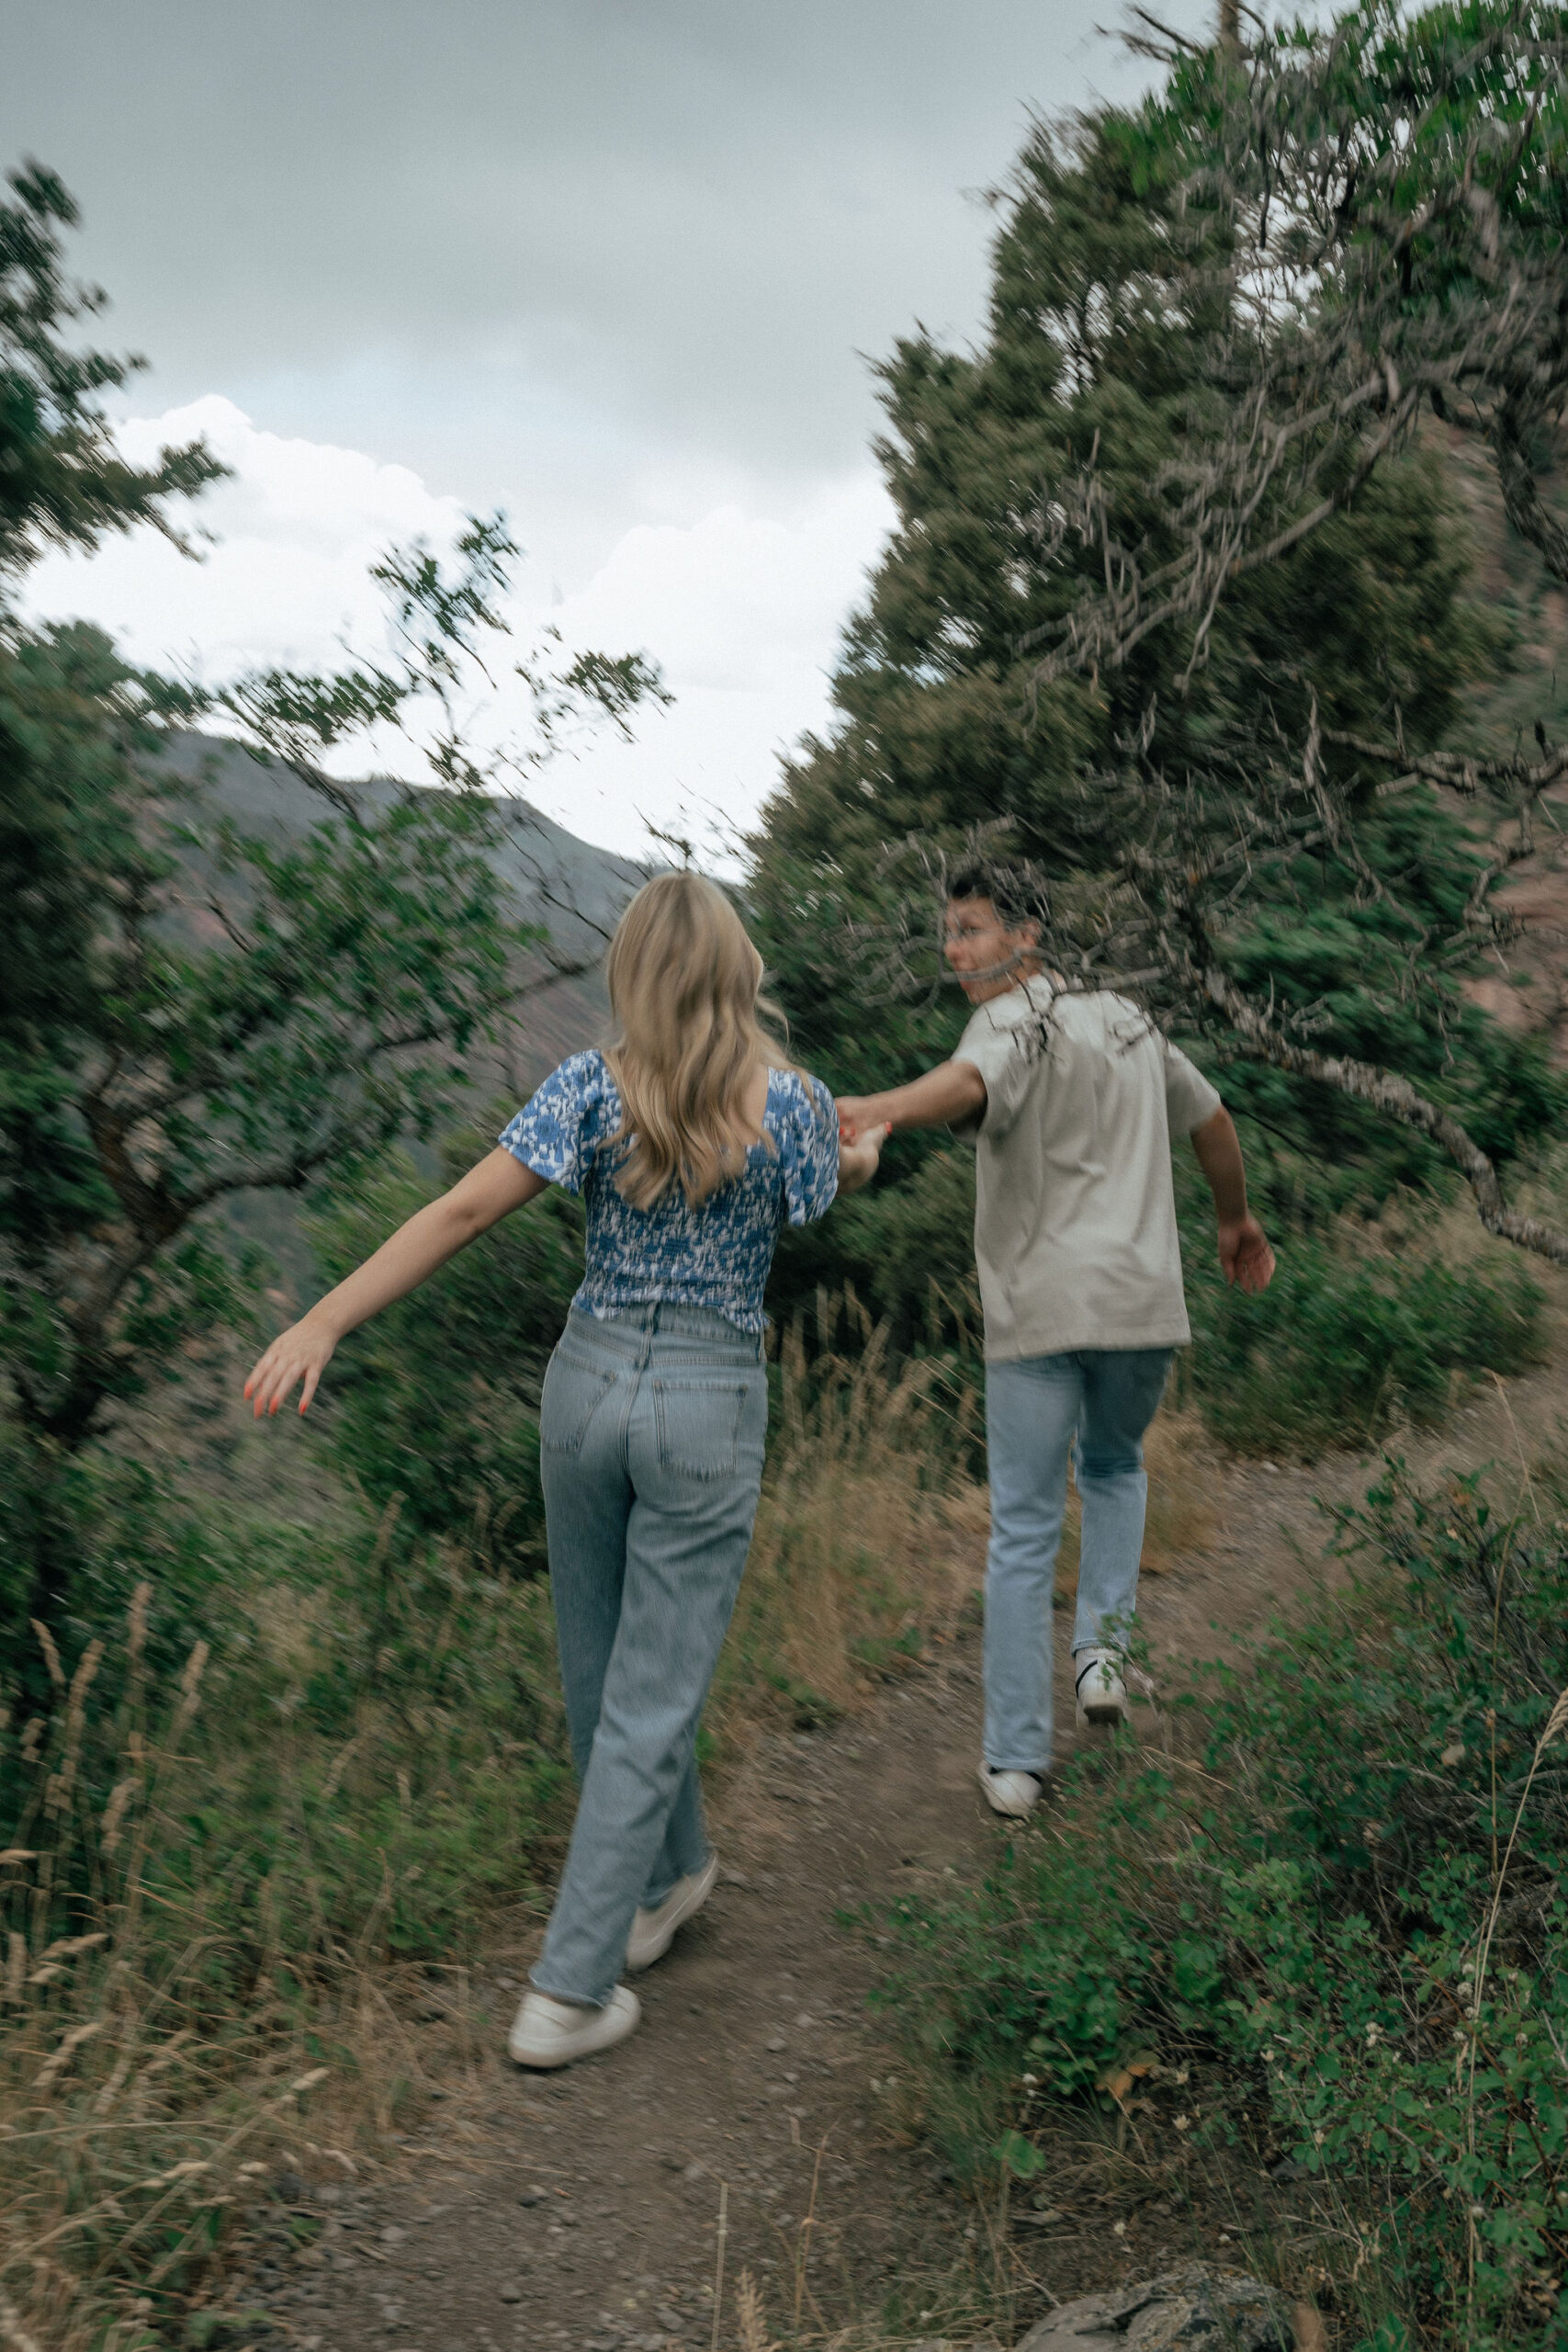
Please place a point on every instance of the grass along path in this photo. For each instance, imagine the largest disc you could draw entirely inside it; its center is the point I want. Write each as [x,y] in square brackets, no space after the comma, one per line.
[758,2124]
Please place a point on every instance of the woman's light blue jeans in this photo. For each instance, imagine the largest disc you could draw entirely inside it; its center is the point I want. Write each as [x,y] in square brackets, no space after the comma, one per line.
[651,1431]
[1104,1398]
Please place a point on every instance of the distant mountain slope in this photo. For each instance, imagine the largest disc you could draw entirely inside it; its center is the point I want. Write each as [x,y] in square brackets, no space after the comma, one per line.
[574,890]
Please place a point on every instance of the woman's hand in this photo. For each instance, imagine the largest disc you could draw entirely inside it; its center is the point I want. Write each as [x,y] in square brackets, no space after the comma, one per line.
[858,1161]
[302,1352]
[855,1116]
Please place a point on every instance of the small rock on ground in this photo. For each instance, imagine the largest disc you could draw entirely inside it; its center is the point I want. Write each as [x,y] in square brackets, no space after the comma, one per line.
[1195,2306]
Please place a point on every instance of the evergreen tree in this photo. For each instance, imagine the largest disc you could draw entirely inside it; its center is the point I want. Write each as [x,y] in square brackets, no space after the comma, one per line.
[188,1012]
[1191,746]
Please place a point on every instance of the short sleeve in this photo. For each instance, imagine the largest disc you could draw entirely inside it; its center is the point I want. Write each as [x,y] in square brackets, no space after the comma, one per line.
[1190,1099]
[1006,1052]
[807,1144]
[549,1133]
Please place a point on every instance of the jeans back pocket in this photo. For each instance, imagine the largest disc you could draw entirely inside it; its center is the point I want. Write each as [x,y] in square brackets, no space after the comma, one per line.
[698,1423]
[573,1393]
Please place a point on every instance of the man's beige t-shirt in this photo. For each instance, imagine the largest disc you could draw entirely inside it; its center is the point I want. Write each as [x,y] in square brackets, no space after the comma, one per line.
[1075,1220]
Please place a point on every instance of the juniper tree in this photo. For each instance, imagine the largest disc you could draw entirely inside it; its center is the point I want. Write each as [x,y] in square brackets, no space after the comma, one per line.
[188,1010]
[1176,602]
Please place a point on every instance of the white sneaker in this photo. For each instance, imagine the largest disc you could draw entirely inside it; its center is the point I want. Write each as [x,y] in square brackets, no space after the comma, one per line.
[1101,1693]
[1014,1793]
[548,2033]
[653,1932]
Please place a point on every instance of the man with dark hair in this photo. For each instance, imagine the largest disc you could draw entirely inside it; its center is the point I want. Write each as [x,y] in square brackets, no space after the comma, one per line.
[1017,897]
[1073,1098]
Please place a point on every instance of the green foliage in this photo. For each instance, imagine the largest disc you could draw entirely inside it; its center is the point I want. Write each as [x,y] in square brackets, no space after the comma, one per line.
[1346,1342]
[63,483]
[1093,342]
[188,1010]
[436,1402]
[1123,336]
[1332,1931]
[122,1526]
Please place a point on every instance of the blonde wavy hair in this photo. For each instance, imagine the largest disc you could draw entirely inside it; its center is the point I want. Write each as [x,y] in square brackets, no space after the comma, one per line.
[689,1034]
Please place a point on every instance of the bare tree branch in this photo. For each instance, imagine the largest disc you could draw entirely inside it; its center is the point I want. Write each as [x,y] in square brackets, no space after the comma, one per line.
[1386,1092]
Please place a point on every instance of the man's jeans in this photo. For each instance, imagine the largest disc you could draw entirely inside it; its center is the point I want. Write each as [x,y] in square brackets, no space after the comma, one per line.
[1106,1397]
[651,1432]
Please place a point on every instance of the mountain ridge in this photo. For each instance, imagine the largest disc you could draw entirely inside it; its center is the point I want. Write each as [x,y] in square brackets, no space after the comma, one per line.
[553,880]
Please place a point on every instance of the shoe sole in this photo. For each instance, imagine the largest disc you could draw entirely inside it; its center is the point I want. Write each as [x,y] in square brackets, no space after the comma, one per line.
[690,1904]
[611,2026]
[1104,1712]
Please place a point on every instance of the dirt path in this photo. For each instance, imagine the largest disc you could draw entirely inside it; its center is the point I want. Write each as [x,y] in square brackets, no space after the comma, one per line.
[583,2209]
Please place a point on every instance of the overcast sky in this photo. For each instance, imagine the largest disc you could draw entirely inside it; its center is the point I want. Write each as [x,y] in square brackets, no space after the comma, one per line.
[617,267]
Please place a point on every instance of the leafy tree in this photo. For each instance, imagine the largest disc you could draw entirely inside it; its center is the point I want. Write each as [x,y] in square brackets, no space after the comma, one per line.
[1175,606]
[190,1012]
[435,1405]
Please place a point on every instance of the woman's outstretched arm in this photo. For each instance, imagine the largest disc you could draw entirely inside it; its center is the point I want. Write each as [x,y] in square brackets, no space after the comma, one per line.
[486,1194]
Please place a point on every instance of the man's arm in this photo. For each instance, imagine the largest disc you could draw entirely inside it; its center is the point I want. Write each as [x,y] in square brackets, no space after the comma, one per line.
[944,1096]
[1245,1255]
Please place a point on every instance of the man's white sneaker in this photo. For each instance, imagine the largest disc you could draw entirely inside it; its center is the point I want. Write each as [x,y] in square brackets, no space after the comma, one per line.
[548,2033]
[653,1932]
[1101,1693]
[1013,1793]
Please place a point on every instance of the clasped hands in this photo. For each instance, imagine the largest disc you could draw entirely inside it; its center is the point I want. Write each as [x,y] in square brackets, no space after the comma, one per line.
[856,1124]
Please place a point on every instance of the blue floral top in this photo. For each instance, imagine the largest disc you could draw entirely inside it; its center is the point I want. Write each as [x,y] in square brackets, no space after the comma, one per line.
[716,1256]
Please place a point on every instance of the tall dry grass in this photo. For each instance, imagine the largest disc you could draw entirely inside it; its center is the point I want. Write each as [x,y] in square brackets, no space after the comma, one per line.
[220,1887]
[205,1921]
[137,2100]
[870,1537]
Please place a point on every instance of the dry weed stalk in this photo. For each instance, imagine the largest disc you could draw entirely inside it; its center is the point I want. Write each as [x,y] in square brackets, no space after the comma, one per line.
[127,2098]
[718,2260]
[750,2316]
[866,1535]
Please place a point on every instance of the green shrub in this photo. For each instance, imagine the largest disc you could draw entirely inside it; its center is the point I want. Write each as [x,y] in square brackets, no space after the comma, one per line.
[436,1401]
[1331,1932]
[1343,1346]
[121,1524]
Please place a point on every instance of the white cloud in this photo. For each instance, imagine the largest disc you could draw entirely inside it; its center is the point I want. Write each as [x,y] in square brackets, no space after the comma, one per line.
[744,613]
[742,610]
[298,528]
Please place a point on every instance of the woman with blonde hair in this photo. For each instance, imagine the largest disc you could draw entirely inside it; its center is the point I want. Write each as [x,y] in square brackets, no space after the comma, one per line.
[691,1140]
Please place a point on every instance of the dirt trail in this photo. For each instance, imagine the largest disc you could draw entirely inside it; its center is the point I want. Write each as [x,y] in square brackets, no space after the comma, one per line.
[583,2209]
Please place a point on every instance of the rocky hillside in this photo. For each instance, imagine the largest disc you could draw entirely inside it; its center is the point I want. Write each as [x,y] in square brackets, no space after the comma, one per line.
[573,890]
